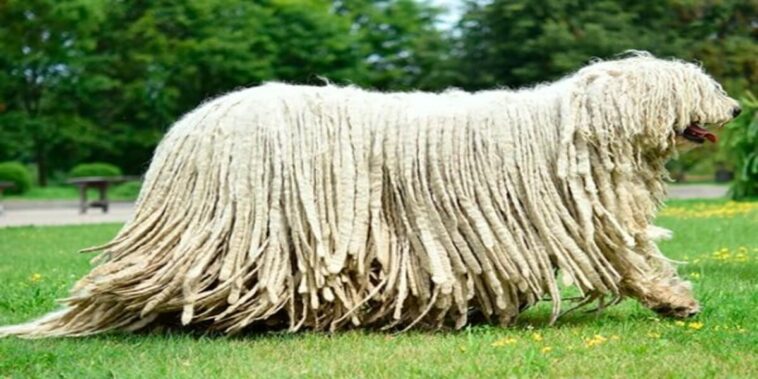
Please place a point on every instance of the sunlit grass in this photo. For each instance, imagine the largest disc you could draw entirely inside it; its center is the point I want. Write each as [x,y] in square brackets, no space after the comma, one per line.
[720,250]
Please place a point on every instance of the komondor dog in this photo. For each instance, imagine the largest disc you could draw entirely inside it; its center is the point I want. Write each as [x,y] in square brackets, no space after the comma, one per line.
[332,207]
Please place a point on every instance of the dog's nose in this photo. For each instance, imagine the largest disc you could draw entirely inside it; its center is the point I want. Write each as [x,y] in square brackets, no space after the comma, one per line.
[736,111]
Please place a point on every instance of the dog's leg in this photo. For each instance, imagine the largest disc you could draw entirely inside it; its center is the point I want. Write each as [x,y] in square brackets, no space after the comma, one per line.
[670,296]
[655,283]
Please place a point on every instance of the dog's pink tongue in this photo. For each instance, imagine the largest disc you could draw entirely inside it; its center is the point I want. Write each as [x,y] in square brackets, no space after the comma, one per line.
[703,133]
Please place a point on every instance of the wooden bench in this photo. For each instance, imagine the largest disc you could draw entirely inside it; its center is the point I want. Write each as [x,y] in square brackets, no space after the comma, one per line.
[101,183]
[3,186]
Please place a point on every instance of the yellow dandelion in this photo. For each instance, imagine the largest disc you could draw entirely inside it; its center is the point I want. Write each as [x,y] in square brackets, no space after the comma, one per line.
[546,349]
[504,342]
[727,210]
[594,341]
[537,337]
[36,277]
[695,325]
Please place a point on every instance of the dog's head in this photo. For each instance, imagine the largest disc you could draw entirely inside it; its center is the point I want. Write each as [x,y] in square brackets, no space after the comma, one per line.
[654,102]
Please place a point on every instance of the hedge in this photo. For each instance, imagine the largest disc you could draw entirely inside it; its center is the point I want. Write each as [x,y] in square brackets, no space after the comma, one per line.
[94,169]
[16,173]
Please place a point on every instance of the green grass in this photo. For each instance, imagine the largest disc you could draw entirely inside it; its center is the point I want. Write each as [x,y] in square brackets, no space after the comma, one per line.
[124,191]
[39,264]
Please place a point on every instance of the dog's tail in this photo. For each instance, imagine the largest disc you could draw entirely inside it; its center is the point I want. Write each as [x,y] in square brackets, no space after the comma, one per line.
[42,327]
[77,321]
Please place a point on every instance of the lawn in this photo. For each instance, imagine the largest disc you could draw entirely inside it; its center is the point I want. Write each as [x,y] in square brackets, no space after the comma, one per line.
[718,239]
[123,191]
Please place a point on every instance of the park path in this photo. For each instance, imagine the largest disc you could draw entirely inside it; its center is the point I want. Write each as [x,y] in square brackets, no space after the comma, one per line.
[24,213]
[698,191]
[61,213]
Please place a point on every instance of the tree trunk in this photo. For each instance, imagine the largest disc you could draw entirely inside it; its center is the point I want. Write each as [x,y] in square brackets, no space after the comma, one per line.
[41,166]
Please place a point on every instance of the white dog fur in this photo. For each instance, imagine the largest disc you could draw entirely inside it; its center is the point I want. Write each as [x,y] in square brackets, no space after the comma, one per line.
[331,207]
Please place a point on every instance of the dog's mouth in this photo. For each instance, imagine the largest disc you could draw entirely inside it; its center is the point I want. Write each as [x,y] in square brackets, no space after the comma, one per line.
[696,133]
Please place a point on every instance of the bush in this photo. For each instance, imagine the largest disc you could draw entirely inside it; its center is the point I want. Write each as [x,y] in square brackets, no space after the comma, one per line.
[17,173]
[94,169]
[743,148]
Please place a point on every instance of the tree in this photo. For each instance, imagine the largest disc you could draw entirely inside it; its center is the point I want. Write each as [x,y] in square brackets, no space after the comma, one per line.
[724,38]
[101,80]
[400,44]
[522,42]
[152,61]
[519,42]
[44,44]
[158,59]
[155,60]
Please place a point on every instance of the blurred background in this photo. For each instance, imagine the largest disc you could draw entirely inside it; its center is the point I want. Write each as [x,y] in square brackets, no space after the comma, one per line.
[100,81]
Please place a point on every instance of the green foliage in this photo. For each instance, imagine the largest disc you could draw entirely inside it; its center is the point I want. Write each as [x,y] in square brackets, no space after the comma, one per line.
[16,173]
[46,44]
[400,46]
[94,169]
[526,41]
[742,145]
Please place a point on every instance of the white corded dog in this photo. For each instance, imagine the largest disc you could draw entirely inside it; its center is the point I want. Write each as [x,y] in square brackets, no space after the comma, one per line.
[333,207]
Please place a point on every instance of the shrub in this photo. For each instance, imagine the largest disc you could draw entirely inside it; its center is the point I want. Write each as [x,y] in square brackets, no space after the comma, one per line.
[17,173]
[94,169]
[742,145]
